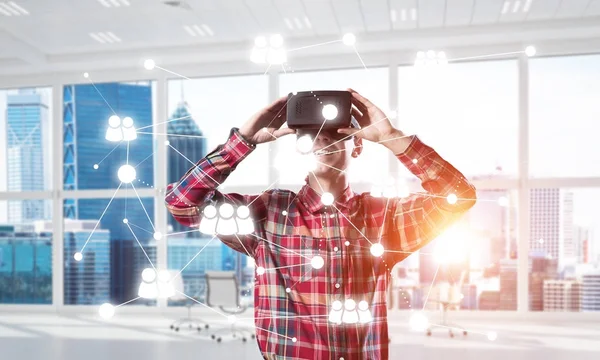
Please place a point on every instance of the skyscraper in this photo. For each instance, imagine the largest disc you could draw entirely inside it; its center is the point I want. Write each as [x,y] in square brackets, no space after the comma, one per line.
[27,152]
[85,116]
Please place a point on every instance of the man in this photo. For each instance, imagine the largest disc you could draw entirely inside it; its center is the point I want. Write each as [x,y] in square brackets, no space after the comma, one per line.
[318,256]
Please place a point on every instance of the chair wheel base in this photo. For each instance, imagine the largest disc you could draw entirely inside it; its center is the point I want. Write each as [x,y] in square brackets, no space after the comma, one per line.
[428,333]
[176,329]
[218,339]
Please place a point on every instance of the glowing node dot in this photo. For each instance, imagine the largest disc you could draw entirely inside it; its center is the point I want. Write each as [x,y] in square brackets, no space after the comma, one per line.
[327,198]
[415,161]
[78,256]
[86,75]
[125,221]
[287,290]
[106,311]
[304,144]
[335,248]
[349,39]
[492,335]
[96,166]
[329,111]
[167,142]
[377,250]
[148,275]
[260,270]
[126,174]
[284,213]
[541,241]
[149,64]
[294,92]
[452,199]
[530,51]
[347,243]
[157,235]
[317,262]
[294,339]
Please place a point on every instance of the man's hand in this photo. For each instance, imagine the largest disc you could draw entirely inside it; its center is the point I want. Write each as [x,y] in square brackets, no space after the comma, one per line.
[374,125]
[265,125]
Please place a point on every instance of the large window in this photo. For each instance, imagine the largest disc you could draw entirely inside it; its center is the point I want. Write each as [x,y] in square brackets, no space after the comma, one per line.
[476,256]
[201,115]
[373,164]
[468,112]
[564,245]
[107,126]
[564,112]
[25,227]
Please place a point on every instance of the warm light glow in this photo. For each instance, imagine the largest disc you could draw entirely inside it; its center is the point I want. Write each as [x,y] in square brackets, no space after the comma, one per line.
[452,199]
[452,245]
[377,250]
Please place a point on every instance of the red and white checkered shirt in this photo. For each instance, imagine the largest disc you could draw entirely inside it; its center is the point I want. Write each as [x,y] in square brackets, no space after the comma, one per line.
[292,299]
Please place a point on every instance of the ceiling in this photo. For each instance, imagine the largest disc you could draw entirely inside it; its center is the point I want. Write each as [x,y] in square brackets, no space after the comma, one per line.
[57,35]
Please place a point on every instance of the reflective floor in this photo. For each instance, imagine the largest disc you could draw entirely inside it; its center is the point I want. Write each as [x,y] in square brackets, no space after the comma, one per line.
[53,337]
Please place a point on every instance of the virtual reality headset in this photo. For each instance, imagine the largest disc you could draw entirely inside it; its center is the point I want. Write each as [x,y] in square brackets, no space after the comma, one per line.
[320,110]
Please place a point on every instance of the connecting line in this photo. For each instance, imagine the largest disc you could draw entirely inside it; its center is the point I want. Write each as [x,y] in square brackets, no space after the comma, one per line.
[172,72]
[361,129]
[318,182]
[164,122]
[195,165]
[310,46]
[284,248]
[102,96]
[320,129]
[283,67]
[284,267]
[332,167]
[198,302]
[351,223]
[128,153]
[141,247]
[360,58]
[241,243]
[431,287]
[127,302]
[115,148]
[186,136]
[484,56]
[300,280]
[276,115]
[147,157]
[141,228]
[189,262]
[101,216]
[266,71]
[283,317]
[396,138]
[143,207]
[182,232]
[264,191]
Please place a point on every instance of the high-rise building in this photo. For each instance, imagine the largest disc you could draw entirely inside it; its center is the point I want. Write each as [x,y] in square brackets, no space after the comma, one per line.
[85,115]
[551,223]
[27,152]
[590,291]
[557,295]
[25,265]
[581,241]
[508,285]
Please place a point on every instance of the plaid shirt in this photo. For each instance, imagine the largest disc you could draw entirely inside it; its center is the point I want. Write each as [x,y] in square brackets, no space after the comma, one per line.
[293,301]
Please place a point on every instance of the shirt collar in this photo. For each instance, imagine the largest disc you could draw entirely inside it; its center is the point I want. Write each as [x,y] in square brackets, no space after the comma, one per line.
[312,200]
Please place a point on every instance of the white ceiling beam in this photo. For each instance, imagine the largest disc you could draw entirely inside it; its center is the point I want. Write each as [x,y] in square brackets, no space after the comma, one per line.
[15,47]
[459,12]
[349,15]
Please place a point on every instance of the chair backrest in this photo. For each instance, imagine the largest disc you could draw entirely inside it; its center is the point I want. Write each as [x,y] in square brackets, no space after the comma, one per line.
[222,289]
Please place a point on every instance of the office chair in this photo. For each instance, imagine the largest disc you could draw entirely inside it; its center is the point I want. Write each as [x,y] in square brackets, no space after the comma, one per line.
[190,321]
[222,290]
[449,298]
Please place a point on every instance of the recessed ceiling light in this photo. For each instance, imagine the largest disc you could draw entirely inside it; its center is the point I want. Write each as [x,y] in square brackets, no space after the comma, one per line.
[413,14]
[207,29]
[298,23]
[516,6]
[393,15]
[307,22]
[198,30]
[105,37]
[114,3]
[288,23]
[10,8]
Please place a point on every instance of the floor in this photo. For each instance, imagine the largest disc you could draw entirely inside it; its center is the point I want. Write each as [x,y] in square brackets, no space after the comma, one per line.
[53,337]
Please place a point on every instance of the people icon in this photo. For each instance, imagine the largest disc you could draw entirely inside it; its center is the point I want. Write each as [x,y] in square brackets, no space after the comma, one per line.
[364,314]
[335,315]
[226,224]
[119,130]
[129,132]
[148,288]
[208,223]
[244,222]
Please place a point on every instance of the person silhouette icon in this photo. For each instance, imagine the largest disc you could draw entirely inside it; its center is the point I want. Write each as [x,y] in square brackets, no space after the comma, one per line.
[148,288]
[208,222]
[244,221]
[114,132]
[129,132]
[226,224]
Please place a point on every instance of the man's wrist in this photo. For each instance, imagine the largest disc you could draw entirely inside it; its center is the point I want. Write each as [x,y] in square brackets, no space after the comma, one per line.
[397,142]
[244,135]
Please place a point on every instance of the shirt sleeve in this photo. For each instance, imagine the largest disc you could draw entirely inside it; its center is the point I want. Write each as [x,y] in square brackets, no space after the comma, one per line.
[419,218]
[186,199]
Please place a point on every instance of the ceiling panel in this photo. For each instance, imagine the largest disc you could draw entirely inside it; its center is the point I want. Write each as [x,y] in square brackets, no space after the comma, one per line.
[487,12]
[404,14]
[348,15]
[593,9]
[376,14]
[431,13]
[294,17]
[267,16]
[542,9]
[321,16]
[571,8]
[459,12]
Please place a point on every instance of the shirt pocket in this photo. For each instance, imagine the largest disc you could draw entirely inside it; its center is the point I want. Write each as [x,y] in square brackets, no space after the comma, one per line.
[296,260]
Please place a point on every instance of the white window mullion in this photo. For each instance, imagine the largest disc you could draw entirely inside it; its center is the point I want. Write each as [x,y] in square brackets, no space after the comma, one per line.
[523,213]
[57,199]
